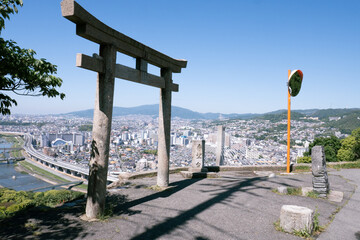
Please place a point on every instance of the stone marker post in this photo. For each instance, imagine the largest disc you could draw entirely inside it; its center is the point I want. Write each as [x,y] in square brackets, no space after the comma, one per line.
[220,146]
[198,156]
[320,178]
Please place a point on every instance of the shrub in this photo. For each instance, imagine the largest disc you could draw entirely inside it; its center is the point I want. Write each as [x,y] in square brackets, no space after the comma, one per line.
[39,195]
[305,159]
[11,210]
[11,201]
[53,197]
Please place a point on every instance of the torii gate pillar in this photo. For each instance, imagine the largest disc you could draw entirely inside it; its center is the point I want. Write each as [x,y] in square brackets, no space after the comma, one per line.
[164,129]
[101,133]
[111,42]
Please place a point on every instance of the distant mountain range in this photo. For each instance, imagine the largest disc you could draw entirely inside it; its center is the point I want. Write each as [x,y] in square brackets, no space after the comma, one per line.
[153,110]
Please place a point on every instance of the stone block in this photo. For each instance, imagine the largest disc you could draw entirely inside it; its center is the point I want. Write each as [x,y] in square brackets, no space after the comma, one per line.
[306,190]
[322,193]
[282,190]
[297,218]
[264,173]
[320,186]
[192,169]
[191,175]
[198,153]
[124,175]
[322,179]
[272,175]
[335,196]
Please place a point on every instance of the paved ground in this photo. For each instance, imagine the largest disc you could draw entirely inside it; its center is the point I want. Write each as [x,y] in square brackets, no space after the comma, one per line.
[234,206]
[346,224]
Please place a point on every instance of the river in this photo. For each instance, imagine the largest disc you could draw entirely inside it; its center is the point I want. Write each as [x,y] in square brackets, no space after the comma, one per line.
[22,181]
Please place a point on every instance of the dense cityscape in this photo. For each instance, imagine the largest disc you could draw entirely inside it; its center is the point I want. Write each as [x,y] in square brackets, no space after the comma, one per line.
[134,139]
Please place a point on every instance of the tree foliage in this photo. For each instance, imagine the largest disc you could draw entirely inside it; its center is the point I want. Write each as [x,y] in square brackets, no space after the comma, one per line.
[346,152]
[350,147]
[331,147]
[20,72]
[85,128]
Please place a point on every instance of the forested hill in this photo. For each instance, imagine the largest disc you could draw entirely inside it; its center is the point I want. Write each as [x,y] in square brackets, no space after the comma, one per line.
[324,114]
[277,117]
[153,110]
[347,123]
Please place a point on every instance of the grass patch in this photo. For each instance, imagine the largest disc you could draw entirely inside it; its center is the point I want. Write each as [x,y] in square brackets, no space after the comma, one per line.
[37,233]
[159,189]
[274,190]
[47,174]
[303,233]
[41,171]
[108,213]
[294,191]
[346,165]
[312,194]
[300,169]
[111,207]
[31,226]
[278,227]
[82,186]
[317,229]
[155,188]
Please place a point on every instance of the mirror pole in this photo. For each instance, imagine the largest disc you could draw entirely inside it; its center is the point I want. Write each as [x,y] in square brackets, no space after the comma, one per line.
[288,128]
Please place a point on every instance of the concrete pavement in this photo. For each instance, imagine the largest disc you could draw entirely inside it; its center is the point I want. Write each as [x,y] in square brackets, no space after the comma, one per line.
[346,224]
[234,206]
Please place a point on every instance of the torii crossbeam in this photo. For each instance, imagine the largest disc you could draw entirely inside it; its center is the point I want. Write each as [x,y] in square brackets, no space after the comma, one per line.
[111,41]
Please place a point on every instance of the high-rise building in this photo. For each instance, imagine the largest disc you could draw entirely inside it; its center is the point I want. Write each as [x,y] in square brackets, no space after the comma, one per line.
[76,138]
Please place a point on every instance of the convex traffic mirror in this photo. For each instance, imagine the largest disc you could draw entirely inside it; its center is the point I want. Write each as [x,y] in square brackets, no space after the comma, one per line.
[294,83]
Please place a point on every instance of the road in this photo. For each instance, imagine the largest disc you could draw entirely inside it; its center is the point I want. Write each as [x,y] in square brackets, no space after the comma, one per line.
[80,170]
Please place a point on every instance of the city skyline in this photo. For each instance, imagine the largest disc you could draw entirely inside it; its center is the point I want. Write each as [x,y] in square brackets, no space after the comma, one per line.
[238,53]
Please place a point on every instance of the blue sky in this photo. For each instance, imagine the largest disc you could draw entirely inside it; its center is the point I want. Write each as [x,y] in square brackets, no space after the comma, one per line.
[238,52]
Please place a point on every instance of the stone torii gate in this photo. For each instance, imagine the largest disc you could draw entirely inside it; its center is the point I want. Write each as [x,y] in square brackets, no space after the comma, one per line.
[111,42]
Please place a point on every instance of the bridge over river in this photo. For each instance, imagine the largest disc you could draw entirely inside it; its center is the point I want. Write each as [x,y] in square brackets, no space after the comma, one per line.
[11,159]
[7,157]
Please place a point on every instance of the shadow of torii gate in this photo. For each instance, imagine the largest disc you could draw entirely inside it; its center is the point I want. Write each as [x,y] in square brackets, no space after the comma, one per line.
[111,42]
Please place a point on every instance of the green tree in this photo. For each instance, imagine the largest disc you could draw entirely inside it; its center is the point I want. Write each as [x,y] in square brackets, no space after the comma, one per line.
[356,134]
[85,128]
[346,152]
[331,147]
[20,72]
[350,147]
